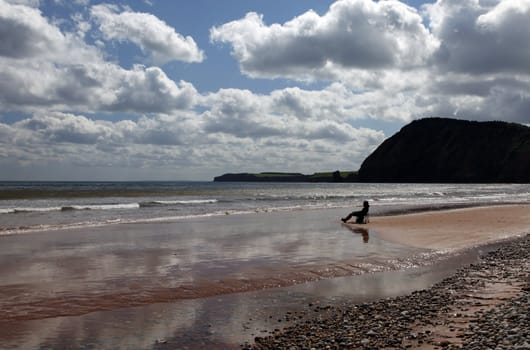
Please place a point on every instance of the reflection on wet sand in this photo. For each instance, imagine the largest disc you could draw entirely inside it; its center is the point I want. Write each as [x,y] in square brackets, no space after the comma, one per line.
[359,230]
[74,272]
[220,322]
[178,284]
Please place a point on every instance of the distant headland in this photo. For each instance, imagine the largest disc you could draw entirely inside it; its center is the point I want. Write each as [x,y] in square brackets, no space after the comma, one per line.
[431,150]
[336,176]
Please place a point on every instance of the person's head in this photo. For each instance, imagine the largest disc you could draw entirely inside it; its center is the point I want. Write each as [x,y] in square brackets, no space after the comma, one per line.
[365,204]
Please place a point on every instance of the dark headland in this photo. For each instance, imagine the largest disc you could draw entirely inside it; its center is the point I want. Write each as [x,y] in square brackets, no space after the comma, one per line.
[431,150]
[336,176]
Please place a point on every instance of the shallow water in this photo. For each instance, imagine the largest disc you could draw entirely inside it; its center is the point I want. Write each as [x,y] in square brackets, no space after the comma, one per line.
[219,322]
[72,272]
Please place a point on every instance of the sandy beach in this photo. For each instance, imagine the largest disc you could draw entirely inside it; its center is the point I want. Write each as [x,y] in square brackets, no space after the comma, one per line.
[59,285]
[452,229]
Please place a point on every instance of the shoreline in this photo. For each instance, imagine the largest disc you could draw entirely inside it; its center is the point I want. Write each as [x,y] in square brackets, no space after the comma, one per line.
[482,305]
[42,228]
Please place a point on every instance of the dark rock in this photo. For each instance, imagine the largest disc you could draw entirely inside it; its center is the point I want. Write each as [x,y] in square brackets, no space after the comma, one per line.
[450,150]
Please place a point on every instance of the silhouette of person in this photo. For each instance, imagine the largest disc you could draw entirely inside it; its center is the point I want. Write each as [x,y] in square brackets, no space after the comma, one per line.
[360,215]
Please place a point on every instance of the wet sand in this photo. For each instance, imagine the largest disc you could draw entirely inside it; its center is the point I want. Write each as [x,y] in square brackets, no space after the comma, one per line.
[219,322]
[74,272]
[183,278]
[453,229]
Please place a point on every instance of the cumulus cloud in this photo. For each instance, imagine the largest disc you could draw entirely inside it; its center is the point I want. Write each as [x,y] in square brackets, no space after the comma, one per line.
[73,75]
[238,129]
[144,90]
[353,34]
[479,37]
[234,128]
[66,128]
[466,59]
[243,115]
[62,128]
[156,39]
[24,32]
[482,68]
[91,87]
[479,97]
[339,103]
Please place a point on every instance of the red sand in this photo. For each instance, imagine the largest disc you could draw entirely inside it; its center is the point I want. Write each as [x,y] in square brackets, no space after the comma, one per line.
[452,229]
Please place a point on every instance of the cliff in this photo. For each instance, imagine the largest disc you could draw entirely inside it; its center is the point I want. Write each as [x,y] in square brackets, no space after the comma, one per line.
[450,150]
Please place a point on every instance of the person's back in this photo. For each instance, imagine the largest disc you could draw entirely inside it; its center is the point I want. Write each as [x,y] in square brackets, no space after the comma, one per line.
[360,215]
[365,209]
[363,213]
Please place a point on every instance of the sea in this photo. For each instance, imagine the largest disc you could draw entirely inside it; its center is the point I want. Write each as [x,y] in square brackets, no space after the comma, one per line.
[44,206]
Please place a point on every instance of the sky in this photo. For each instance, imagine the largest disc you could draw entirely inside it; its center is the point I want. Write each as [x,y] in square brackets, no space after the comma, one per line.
[188,90]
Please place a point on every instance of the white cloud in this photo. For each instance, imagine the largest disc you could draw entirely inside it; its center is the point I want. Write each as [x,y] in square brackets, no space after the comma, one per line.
[339,103]
[237,129]
[73,75]
[354,35]
[482,37]
[504,13]
[144,90]
[482,67]
[157,39]
[276,138]
[81,24]
[91,87]
[472,61]
[65,128]
[24,32]
[480,97]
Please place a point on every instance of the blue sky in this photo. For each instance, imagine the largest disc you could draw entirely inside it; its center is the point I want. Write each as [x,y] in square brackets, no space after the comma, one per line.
[174,90]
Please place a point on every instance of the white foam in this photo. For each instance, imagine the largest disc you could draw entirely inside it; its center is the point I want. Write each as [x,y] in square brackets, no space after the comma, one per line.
[104,206]
[191,201]
[34,209]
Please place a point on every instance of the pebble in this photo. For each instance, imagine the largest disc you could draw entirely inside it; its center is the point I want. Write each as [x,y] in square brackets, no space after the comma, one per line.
[392,322]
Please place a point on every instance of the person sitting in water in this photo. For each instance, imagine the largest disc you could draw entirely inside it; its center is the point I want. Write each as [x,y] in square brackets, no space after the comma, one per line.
[360,215]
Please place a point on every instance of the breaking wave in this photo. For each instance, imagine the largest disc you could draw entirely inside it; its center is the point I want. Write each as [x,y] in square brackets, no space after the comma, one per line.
[115,206]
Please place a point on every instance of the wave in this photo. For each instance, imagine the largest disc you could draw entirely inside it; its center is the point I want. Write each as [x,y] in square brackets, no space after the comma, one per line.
[102,206]
[29,209]
[177,202]
[4,231]
[114,206]
[70,207]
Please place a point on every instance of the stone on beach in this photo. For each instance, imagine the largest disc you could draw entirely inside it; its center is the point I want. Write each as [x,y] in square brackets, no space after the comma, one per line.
[483,305]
